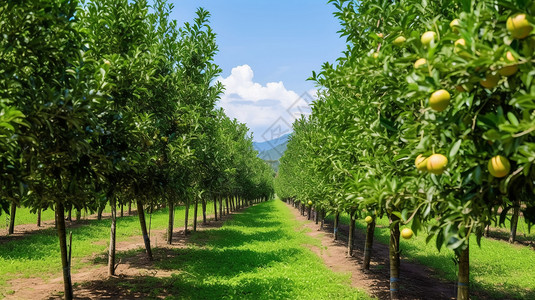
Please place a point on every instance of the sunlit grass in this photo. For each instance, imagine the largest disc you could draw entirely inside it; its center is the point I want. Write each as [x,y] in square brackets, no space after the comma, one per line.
[258,254]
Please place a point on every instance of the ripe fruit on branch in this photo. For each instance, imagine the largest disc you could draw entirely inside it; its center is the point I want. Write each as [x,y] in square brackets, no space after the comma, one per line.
[428,37]
[436,163]
[420,63]
[454,25]
[421,163]
[368,219]
[380,35]
[518,25]
[375,55]
[439,100]
[399,40]
[490,81]
[499,166]
[309,202]
[509,70]
[406,233]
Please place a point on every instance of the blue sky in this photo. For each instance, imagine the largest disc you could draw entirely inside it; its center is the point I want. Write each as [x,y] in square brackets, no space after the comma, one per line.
[267,50]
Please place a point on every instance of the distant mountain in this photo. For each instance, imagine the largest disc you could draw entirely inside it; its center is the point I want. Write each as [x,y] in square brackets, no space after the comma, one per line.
[271,151]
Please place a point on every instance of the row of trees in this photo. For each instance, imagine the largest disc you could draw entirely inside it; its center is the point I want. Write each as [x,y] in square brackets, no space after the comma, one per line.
[427,119]
[113,102]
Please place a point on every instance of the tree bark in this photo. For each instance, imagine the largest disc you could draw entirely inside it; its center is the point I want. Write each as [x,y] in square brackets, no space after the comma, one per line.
[111,252]
[143,224]
[195,208]
[336,221]
[368,245]
[394,257]
[69,216]
[464,275]
[78,214]
[514,220]
[351,238]
[215,208]
[316,215]
[99,212]
[186,214]
[322,222]
[39,217]
[226,202]
[62,236]
[309,212]
[12,214]
[203,201]
[171,206]
[130,208]
[220,207]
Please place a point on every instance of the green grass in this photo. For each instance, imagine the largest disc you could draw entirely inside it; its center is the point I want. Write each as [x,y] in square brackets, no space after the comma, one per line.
[497,267]
[258,254]
[37,255]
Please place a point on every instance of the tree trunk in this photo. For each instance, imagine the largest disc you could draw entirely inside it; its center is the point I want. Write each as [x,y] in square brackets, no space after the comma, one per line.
[186,214]
[130,207]
[195,215]
[336,221]
[11,228]
[368,245]
[309,212]
[514,220]
[62,236]
[99,212]
[78,214]
[228,209]
[316,215]
[215,208]
[171,206]
[69,216]
[220,207]
[394,258]
[203,201]
[111,252]
[322,222]
[143,224]
[464,275]
[351,238]
[39,217]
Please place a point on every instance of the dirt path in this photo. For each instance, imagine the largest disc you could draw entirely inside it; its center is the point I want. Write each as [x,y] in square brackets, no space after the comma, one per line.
[92,282]
[418,281]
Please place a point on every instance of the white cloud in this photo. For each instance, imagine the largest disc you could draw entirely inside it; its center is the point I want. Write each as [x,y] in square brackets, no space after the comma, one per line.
[260,106]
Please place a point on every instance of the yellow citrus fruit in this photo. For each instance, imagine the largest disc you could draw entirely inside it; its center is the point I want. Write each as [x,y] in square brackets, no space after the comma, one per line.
[381,35]
[309,202]
[518,25]
[490,81]
[454,25]
[399,40]
[421,163]
[428,37]
[439,100]
[375,55]
[499,166]
[509,70]
[436,163]
[368,219]
[406,233]
[420,63]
